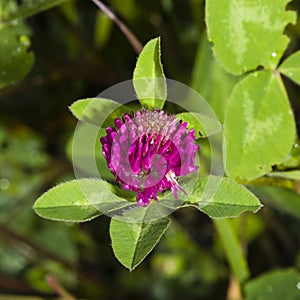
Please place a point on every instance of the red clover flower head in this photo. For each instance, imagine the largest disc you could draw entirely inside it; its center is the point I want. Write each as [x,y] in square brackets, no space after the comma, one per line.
[146,153]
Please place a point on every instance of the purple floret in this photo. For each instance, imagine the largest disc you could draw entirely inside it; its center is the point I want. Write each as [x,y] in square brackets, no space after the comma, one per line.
[147,152]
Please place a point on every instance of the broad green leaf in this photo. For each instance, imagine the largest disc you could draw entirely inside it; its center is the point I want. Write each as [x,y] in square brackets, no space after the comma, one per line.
[65,202]
[250,33]
[148,76]
[203,125]
[16,60]
[210,79]
[98,111]
[233,249]
[259,126]
[79,200]
[132,242]
[29,8]
[282,199]
[294,174]
[275,285]
[291,67]
[226,198]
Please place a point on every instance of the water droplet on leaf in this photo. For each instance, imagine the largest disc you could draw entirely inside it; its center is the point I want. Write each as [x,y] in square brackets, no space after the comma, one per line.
[4,184]
[274,54]
[24,40]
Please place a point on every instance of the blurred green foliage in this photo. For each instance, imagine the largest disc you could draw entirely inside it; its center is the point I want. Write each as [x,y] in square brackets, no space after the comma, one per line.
[78,53]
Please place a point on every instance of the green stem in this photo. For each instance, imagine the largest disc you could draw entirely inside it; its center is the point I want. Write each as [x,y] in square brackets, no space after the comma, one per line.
[270,181]
[59,289]
[135,43]
[233,249]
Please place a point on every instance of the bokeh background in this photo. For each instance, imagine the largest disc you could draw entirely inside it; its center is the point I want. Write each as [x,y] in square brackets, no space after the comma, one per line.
[79,52]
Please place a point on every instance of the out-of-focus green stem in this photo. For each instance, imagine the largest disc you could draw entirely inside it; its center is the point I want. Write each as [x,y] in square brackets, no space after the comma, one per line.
[136,44]
[233,249]
[59,289]
[270,181]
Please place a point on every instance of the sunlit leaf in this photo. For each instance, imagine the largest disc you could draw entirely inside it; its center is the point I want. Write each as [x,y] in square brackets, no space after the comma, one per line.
[223,197]
[79,200]
[203,125]
[98,111]
[148,76]
[259,126]
[132,242]
[67,202]
[83,199]
[248,33]
[291,67]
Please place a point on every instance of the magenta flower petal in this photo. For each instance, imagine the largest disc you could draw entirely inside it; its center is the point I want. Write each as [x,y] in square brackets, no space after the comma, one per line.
[148,151]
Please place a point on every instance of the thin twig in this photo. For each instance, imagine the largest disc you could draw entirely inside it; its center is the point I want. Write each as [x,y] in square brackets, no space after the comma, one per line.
[136,44]
[58,288]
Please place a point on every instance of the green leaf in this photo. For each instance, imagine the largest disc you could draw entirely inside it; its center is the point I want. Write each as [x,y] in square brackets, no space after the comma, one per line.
[259,126]
[250,33]
[275,285]
[132,242]
[222,197]
[291,67]
[29,8]
[203,125]
[78,200]
[98,111]
[16,60]
[148,76]
[280,198]
[207,75]
[232,249]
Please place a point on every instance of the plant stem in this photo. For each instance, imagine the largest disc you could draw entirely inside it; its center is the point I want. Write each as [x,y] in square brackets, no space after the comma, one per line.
[58,288]
[135,43]
[233,249]
[270,181]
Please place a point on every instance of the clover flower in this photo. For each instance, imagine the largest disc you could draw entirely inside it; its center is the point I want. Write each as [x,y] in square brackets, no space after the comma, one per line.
[148,151]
